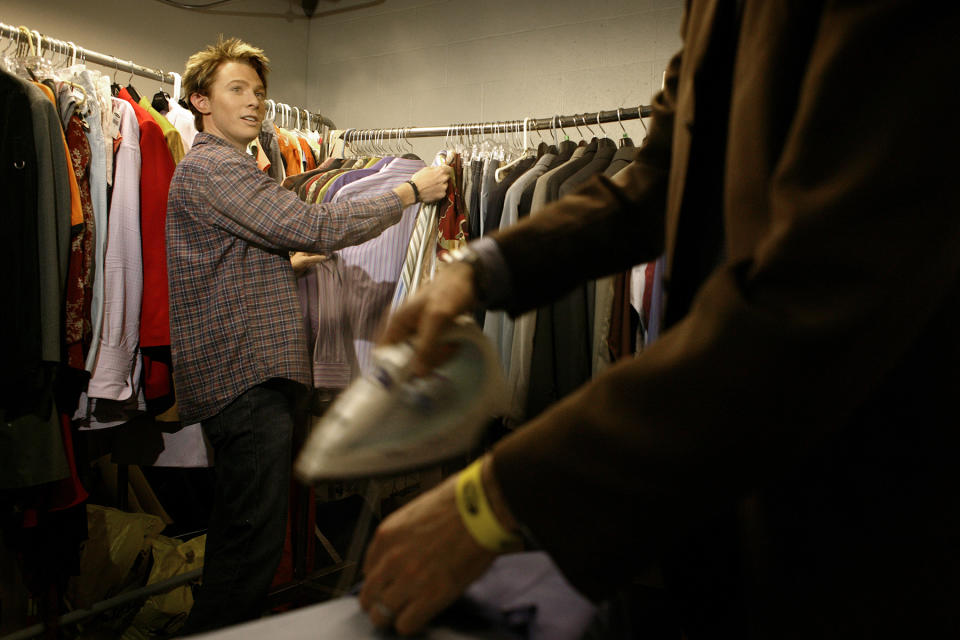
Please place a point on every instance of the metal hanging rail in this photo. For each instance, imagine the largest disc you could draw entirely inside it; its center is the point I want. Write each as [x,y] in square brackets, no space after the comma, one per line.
[41,43]
[526,124]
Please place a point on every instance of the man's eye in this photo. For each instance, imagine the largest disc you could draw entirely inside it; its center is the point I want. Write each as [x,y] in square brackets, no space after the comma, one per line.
[236,89]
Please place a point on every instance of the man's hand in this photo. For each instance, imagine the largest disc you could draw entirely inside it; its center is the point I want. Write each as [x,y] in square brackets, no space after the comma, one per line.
[421,559]
[430,312]
[431,183]
[301,260]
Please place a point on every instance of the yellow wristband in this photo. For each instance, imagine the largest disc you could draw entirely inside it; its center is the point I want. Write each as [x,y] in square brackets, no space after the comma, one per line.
[476,513]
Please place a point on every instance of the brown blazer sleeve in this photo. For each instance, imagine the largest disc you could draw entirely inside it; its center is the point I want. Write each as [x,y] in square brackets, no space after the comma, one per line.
[858,257]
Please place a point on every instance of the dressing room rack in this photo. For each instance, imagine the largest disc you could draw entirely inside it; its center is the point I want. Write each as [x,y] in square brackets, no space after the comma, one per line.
[520,126]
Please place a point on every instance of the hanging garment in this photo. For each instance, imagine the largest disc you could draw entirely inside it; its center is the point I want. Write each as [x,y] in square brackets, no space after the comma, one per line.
[80,269]
[31,444]
[499,193]
[600,160]
[420,261]
[371,269]
[621,158]
[54,218]
[472,195]
[521,350]
[268,140]
[98,198]
[563,152]
[451,221]
[309,161]
[487,183]
[497,325]
[113,374]
[170,133]
[562,355]
[156,170]
[21,353]
[184,122]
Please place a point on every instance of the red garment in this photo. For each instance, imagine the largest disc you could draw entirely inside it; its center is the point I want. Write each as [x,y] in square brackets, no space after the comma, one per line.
[157,378]
[452,220]
[80,267]
[62,494]
[156,170]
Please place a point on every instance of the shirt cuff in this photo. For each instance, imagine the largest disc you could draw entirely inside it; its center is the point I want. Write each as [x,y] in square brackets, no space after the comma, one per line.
[495,281]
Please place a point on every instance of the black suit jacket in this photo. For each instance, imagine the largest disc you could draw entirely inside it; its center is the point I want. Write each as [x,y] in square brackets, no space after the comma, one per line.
[787,450]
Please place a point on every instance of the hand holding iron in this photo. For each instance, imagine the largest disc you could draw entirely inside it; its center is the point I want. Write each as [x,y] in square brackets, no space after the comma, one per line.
[430,312]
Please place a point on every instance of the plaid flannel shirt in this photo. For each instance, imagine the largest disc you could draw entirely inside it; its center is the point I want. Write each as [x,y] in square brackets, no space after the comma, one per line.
[234,314]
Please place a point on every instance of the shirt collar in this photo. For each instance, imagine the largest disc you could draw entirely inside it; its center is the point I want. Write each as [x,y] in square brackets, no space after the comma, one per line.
[207,138]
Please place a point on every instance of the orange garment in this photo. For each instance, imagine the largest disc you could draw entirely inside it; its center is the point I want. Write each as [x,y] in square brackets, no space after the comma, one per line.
[76,209]
[307,154]
[263,160]
[290,153]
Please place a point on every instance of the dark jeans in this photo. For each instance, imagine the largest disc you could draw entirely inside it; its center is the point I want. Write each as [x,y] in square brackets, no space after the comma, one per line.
[251,440]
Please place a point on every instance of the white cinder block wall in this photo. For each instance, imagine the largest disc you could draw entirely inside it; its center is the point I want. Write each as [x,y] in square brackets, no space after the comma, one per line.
[438,62]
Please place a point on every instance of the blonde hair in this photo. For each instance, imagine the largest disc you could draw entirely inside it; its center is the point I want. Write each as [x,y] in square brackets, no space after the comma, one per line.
[202,68]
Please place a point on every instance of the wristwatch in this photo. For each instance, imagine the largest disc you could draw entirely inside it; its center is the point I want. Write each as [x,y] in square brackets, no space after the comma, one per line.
[468,256]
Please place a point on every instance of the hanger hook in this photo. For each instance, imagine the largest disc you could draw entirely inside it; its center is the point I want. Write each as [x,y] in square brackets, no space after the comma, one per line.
[640,116]
[600,125]
[592,134]
[620,122]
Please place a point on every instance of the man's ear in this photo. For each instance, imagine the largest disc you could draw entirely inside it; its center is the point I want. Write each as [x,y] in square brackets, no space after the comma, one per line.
[201,103]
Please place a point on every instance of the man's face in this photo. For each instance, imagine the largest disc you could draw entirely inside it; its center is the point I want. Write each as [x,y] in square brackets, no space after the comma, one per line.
[235,107]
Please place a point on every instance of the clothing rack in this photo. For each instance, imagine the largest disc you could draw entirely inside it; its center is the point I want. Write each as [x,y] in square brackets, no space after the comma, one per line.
[40,43]
[510,126]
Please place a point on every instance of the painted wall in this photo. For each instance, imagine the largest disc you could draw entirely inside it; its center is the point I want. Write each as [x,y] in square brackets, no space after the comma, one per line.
[159,36]
[404,62]
[437,62]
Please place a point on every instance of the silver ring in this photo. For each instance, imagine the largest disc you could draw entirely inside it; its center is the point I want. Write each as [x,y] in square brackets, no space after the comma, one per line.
[385,612]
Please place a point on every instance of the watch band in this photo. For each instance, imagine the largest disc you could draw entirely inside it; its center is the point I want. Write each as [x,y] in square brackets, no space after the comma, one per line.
[467,255]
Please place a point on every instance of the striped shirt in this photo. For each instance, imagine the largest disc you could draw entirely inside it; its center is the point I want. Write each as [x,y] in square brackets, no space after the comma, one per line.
[368,275]
[234,314]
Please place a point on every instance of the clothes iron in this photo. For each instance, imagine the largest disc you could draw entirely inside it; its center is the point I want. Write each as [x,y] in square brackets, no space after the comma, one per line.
[389,421]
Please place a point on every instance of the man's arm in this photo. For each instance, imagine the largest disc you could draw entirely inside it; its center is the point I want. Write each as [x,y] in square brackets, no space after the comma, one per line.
[251,206]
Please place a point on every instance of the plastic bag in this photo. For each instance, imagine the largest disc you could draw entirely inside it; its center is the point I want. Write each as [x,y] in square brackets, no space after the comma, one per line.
[115,555]
[164,613]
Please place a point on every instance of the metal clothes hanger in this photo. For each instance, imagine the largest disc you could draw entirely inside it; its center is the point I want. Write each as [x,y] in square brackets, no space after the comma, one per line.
[592,134]
[600,126]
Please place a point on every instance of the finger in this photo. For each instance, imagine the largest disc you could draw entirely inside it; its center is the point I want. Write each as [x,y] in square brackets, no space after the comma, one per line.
[390,602]
[418,612]
[381,615]
[373,585]
[403,323]
[433,322]
[432,357]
